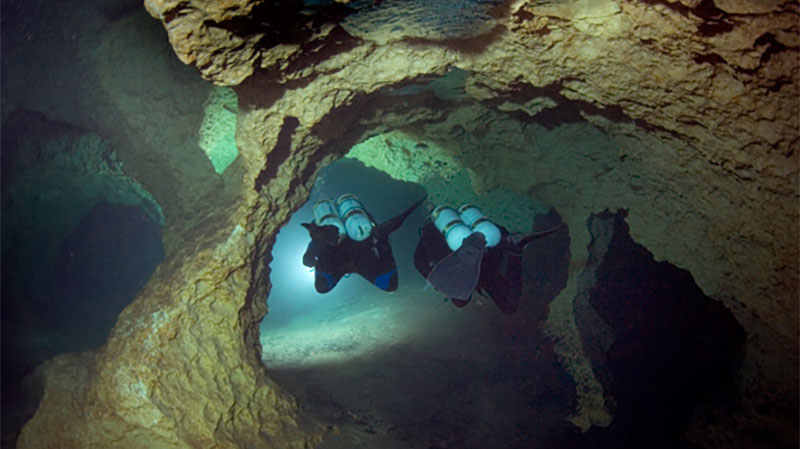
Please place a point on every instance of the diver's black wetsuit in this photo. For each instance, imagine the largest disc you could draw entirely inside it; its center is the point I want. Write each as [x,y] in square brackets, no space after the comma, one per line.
[333,255]
[332,258]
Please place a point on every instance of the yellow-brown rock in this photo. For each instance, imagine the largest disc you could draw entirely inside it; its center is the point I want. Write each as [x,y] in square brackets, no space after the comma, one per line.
[700,108]
[182,366]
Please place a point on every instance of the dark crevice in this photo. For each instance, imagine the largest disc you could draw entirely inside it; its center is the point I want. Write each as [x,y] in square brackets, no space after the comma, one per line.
[661,348]
[179,10]
[265,86]
[715,20]
[779,83]
[773,47]
[311,166]
[523,16]
[709,58]
[692,122]
[566,110]
[713,27]
[260,90]
[279,153]
[282,21]
[314,52]
[708,10]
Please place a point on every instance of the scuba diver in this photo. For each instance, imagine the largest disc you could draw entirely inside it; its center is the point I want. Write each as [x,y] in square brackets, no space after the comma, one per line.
[345,239]
[461,251]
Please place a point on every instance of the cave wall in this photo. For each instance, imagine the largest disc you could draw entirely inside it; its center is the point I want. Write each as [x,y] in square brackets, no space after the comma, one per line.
[698,100]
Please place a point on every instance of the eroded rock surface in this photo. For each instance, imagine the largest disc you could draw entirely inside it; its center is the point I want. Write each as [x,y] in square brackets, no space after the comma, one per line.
[698,102]
[651,333]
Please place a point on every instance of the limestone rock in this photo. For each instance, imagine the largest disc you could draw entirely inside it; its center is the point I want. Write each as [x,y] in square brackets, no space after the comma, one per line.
[686,116]
[195,35]
[217,134]
[434,20]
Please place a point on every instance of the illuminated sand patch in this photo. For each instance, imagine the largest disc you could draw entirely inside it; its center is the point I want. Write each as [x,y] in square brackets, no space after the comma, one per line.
[354,331]
[302,344]
[369,325]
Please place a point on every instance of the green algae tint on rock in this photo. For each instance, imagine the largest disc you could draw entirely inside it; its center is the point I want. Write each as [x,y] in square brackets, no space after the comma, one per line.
[217,134]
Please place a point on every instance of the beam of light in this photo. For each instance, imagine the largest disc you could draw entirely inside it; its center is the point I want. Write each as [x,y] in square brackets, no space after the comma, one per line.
[355,319]
[305,328]
[292,282]
[354,331]
[290,267]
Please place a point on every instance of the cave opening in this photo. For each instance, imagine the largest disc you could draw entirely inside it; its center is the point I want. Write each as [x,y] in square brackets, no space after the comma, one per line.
[407,367]
[100,266]
[292,295]
[80,239]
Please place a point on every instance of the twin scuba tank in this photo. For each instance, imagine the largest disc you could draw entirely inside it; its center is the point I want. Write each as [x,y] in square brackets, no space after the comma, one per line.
[350,217]
[347,214]
[456,226]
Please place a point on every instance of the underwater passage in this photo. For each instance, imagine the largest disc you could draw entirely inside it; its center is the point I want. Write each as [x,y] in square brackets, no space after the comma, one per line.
[457,252]
[683,114]
[413,370]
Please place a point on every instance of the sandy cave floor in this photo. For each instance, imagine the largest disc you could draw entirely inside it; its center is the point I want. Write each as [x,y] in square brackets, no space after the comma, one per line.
[410,370]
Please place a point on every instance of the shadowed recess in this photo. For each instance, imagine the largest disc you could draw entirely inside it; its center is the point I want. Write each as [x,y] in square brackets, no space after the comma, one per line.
[279,153]
[673,347]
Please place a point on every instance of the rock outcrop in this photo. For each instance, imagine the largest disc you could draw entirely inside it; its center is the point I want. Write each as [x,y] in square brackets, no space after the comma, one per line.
[684,113]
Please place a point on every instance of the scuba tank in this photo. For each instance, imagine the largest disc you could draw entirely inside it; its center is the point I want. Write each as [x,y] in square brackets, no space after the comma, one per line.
[357,223]
[325,214]
[450,225]
[477,222]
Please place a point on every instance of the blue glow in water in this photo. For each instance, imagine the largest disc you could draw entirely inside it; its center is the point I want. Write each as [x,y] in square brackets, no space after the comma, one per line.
[293,294]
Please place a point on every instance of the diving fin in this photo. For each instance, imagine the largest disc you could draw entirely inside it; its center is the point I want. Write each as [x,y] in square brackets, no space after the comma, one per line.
[391,225]
[535,235]
[456,275]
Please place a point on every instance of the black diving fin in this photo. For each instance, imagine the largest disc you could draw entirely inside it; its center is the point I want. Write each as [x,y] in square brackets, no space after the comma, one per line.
[528,238]
[391,225]
[457,274]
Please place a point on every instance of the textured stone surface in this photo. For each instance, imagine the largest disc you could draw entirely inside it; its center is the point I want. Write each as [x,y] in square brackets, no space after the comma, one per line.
[422,19]
[443,178]
[199,44]
[217,134]
[181,367]
[700,115]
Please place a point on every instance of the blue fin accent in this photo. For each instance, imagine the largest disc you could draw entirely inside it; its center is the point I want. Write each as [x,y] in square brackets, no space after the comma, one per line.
[382,280]
[329,279]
